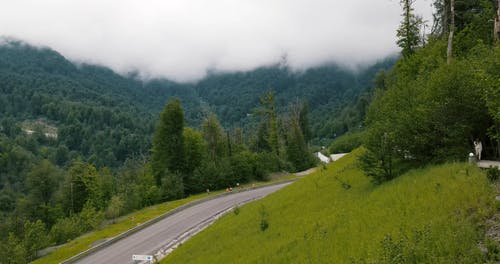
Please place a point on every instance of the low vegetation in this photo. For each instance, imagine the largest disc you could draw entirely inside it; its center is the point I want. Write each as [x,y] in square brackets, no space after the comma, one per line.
[124,223]
[429,215]
[61,204]
[346,143]
[76,148]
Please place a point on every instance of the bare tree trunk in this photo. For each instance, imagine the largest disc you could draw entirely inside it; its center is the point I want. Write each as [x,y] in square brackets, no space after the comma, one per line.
[496,30]
[444,19]
[452,29]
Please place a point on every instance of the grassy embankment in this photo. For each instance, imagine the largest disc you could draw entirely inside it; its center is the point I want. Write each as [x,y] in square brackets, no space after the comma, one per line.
[430,215]
[129,221]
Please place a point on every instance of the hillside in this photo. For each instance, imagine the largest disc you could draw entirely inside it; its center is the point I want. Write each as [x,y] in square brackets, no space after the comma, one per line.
[430,215]
[77,145]
[99,115]
[40,83]
[332,92]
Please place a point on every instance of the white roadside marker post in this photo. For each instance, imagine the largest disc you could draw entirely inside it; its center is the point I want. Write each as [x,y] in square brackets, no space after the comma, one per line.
[147,258]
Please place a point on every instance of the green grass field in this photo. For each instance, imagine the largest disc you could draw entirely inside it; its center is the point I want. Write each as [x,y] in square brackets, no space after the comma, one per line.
[129,221]
[430,215]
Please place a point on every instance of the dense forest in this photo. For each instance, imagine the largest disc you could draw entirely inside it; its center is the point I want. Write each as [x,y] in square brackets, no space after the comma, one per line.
[78,141]
[440,97]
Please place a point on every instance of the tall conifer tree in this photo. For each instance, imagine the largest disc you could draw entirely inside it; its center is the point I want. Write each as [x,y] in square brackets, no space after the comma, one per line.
[168,143]
[408,32]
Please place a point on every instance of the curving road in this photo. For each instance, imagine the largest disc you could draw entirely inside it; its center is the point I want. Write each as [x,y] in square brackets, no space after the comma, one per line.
[151,239]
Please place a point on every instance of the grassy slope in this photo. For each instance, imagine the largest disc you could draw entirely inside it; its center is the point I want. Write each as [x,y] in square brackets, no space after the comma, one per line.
[426,216]
[129,221]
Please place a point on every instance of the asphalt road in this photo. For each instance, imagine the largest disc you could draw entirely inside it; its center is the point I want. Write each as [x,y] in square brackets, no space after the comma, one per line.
[149,240]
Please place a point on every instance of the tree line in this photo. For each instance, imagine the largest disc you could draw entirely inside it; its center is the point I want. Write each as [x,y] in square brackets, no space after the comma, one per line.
[442,94]
[54,204]
[186,161]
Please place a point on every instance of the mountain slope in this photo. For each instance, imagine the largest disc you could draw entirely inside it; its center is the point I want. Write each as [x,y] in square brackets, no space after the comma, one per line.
[98,114]
[106,118]
[336,215]
[327,89]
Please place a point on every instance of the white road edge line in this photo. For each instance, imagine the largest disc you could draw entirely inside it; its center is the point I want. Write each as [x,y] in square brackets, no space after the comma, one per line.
[176,242]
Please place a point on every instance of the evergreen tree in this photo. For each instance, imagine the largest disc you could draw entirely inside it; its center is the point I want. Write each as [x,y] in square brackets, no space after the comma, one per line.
[214,137]
[268,112]
[168,142]
[408,32]
[296,148]
[195,149]
[296,144]
[304,121]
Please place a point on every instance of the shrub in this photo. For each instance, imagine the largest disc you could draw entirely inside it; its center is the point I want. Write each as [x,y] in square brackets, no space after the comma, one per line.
[264,224]
[172,186]
[90,218]
[493,253]
[243,166]
[65,229]
[115,207]
[236,210]
[493,173]
[346,143]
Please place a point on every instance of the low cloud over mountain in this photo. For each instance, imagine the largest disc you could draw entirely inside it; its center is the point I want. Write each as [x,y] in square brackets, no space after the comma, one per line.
[183,39]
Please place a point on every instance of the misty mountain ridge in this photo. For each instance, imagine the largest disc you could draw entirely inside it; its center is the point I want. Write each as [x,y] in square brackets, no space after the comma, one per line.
[232,96]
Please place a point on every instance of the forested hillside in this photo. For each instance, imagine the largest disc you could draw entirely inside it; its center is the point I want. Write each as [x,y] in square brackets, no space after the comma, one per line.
[87,104]
[77,145]
[407,195]
[98,115]
[441,96]
[337,97]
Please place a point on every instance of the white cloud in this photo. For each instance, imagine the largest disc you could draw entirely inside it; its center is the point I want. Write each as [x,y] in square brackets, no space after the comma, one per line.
[181,39]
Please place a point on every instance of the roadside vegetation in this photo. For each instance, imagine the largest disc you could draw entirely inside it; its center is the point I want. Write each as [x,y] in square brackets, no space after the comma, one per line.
[80,146]
[63,203]
[112,228]
[403,198]
[428,215]
[441,95]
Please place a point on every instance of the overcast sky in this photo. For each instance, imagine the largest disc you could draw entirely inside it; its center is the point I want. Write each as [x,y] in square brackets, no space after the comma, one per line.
[182,39]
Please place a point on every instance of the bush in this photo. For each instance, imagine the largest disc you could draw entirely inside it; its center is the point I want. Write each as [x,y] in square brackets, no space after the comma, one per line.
[264,224]
[71,227]
[493,253]
[151,196]
[13,251]
[35,237]
[65,229]
[346,143]
[115,207]
[417,248]
[493,173]
[172,186]
[268,162]
[90,218]
[236,210]
[243,166]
